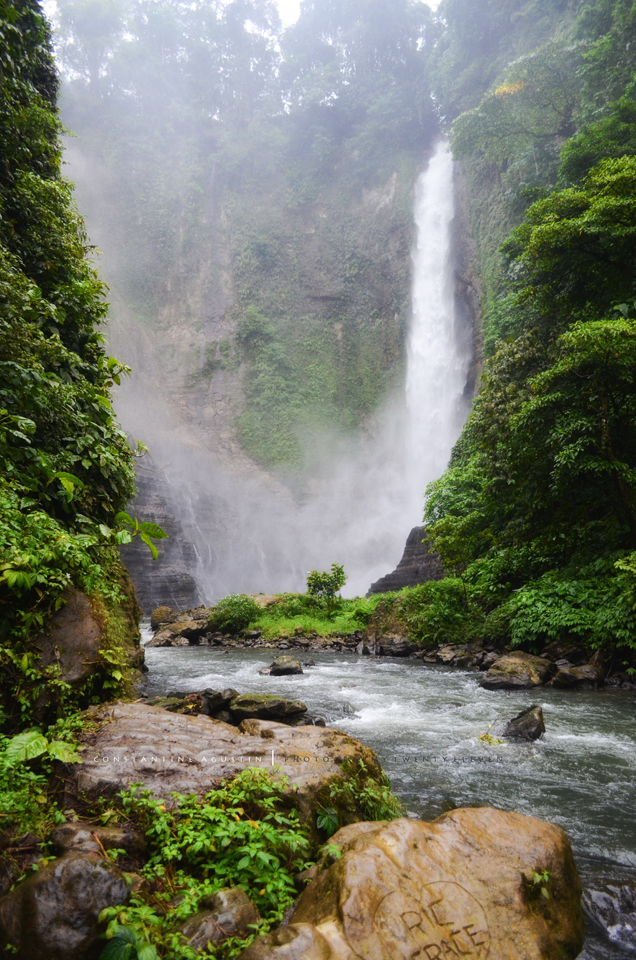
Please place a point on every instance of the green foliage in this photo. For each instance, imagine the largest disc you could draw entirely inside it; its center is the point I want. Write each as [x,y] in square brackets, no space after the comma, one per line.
[301,613]
[591,603]
[521,122]
[127,944]
[327,821]
[25,770]
[539,882]
[65,462]
[535,514]
[234,613]
[243,834]
[357,795]
[31,744]
[614,135]
[573,255]
[325,586]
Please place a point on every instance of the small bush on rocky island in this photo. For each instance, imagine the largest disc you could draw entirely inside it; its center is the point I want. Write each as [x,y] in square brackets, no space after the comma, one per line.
[325,587]
[234,613]
[300,613]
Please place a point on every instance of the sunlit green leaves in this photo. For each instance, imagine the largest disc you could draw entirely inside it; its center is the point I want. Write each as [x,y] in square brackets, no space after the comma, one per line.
[32,744]
[26,746]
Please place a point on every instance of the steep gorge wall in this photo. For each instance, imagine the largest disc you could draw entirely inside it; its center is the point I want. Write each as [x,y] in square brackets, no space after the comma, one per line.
[277,337]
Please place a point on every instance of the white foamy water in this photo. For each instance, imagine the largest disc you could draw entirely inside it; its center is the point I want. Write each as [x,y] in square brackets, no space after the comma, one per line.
[424,722]
[438,360]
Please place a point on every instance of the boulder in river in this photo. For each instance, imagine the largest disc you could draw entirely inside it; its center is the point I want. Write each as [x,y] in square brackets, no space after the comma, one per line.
[462,886]
[230,913]
[54,914]
[527,725]
[587,676]
[516,671]
[162,615]
[136,743]
[285,666]
[612,908]
[265,706]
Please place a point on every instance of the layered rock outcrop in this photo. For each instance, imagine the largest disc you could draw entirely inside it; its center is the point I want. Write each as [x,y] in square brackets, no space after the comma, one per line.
[416,566]
[166,752]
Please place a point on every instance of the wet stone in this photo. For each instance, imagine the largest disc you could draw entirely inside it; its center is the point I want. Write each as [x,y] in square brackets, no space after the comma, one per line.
[612,908]
[285,666]
[53,915]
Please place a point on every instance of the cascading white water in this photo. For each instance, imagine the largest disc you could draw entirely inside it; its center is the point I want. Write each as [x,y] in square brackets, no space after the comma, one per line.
[364,493]
[437,359]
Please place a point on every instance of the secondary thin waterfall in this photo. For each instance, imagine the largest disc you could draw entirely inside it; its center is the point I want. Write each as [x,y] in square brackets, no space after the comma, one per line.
[437,355]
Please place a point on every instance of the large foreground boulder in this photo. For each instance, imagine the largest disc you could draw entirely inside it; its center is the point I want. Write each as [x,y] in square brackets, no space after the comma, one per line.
[54,914]
[165,752]
[516,671]
[462,886]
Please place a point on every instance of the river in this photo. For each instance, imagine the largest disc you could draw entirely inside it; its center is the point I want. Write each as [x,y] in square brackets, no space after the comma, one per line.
[424,721]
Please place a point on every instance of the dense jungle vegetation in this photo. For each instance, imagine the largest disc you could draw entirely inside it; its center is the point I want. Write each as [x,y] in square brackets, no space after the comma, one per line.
[535,517]
[65,465]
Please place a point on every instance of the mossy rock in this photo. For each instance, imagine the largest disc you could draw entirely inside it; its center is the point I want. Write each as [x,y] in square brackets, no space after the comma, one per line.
[264,706]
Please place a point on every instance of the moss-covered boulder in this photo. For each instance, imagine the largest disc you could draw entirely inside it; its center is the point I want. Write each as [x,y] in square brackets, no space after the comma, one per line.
[265,706]
[516,671]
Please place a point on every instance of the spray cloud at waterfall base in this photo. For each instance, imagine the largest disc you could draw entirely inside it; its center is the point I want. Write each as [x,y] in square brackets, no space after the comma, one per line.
[238,529]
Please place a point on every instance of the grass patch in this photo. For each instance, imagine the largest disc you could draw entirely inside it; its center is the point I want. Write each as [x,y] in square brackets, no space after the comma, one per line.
[298,614]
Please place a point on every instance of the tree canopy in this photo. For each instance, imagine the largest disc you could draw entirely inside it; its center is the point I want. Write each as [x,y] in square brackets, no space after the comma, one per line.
[65,464]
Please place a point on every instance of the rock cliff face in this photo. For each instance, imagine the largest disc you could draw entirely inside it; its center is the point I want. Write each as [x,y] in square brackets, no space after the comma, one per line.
[264,373]
[166,580]
[416,566]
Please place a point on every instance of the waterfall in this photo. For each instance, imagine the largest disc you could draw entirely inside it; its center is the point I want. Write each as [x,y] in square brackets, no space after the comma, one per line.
[365,492]
[437,354]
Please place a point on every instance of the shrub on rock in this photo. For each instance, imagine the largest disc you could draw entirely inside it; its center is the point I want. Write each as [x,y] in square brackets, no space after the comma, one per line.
[233,614]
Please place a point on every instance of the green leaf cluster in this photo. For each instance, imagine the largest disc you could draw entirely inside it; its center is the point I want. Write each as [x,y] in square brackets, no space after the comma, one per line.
[234,613]
[535,516]
[247,833]
[66,470]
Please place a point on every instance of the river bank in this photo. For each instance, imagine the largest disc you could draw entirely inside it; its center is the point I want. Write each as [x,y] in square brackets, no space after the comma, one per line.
[423,721]
[567,664]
